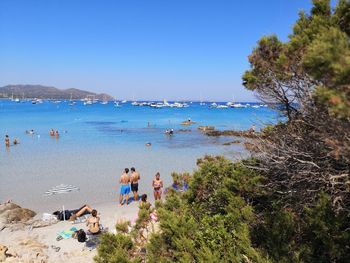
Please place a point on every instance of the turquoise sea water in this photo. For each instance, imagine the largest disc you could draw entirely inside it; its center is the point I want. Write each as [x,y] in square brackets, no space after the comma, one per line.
[97,141]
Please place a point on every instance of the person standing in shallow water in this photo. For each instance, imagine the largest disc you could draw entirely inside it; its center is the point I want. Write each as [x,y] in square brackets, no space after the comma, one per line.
[124,187]
[134,183]
[7,141]
[157,185]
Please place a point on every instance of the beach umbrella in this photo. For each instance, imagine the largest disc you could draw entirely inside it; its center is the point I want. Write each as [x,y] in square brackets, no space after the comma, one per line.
[61,189]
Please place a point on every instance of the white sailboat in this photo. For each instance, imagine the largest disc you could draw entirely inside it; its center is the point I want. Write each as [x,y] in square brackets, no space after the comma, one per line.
[201,101]
[23,100]
[104,101]
[221,106]
[89,100]
[213,105]
[71,101]
[233,104]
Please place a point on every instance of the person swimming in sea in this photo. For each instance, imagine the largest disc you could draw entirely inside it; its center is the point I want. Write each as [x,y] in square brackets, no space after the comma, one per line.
[52,132]
[157,185]
[15,142]
[169,132]
[57,135]
[124,187]
[31,132]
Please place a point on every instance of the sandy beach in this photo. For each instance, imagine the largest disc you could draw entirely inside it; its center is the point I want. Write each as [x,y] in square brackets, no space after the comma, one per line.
[38,244]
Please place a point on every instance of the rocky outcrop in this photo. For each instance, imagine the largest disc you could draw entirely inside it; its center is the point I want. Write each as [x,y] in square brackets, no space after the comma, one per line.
[11,213]
[5,254]
[28,250]
[230,143]
[246,134]
[188,122]
[206,128]
[3,250]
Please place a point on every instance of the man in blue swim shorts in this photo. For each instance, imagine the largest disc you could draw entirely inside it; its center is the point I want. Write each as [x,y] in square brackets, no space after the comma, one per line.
[124,187]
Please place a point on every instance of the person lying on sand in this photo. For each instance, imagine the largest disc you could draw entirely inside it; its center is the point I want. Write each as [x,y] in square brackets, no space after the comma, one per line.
[71,215]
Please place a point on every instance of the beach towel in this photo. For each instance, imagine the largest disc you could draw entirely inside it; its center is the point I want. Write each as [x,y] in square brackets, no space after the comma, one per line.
[67,233]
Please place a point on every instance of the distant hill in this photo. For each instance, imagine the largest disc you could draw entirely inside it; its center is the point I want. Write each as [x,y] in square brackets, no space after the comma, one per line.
[45,92]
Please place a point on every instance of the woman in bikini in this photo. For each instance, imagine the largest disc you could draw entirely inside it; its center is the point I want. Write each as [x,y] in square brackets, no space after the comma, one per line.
[7,141]
[157,186]
[93,223]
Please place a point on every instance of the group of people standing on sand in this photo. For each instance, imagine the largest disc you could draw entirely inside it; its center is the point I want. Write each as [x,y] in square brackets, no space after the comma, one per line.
[130,182]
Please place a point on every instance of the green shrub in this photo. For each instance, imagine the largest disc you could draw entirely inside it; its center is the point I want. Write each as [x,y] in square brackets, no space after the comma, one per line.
[122,227]
[114,249]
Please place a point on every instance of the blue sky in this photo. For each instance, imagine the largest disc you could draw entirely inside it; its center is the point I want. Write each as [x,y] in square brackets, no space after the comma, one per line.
[146,49]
